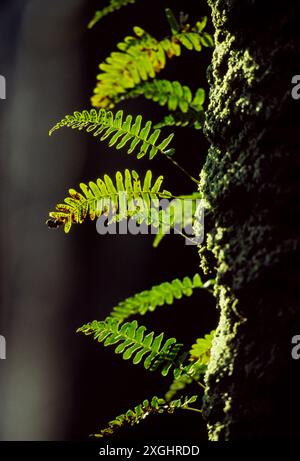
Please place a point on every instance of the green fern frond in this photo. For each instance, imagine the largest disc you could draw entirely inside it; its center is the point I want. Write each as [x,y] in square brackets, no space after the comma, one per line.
[200,351]
[194,117]
[128,196]
[159,295]
[190,119]
[199,358]
[140,58]
[141,136]
[165,92]
[133,342]
[113,6]
[179,384]
[206,39]
[180,213]
[198,101]
[140,412]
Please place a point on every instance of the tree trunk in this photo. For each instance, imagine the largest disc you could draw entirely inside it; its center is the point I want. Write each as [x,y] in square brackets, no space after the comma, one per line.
[251,186]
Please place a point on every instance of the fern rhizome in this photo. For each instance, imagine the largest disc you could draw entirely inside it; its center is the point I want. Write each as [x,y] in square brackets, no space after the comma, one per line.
[129,72]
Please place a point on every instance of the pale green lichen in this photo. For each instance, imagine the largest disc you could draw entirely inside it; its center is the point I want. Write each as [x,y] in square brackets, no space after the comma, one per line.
[232,68]
[236,66]
[244,179]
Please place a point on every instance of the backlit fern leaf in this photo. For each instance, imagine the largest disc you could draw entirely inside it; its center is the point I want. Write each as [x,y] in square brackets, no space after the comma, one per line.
[109,125]
[127,197]
[113,6]
[159,295]
[193,117]
[199,358]
[190,119]
[140,58]
[179,384]
[140,412]
[200,351]
[133,342]
[165,92]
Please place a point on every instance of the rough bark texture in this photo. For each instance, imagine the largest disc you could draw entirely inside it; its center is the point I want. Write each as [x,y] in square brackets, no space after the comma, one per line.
[251,184]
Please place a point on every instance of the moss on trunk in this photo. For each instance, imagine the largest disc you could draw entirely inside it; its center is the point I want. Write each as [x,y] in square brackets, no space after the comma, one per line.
[251,185]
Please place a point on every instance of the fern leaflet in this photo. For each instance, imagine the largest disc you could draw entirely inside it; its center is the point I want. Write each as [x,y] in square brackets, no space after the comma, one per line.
[179,384]
[140,58]
[165,92]
[159,295]
[133,343]
[145,409]
[128,197]
[120,131]
[191,119]
[173,23]
[200,351]
[199,357]
[113,6]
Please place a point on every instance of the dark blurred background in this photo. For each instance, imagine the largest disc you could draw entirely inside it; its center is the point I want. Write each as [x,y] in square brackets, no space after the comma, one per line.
[56,385]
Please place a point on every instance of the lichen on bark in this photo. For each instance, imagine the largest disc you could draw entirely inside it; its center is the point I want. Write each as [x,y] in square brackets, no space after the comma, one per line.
[250,183]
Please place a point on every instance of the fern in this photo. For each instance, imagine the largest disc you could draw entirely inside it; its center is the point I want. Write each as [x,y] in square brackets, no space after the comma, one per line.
[129,72]
[133,343]
[128,197]
[199,358]
[113,6]
[120,131]
[200,351]
[159,295]
[140,58]
[179,384]
[198,101]
[145,409]
[165,92]
[191,119]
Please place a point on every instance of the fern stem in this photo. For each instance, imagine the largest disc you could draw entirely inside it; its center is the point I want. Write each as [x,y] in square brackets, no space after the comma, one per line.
[183,235]
[183,170]
[201,385]
[192,409]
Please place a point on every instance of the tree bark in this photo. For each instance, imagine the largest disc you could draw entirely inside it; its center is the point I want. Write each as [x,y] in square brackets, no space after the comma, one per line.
[251,187]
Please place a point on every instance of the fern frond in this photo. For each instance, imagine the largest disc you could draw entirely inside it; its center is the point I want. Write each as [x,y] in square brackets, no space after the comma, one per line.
[141,136]
[179,384]
[194,117]
[159,295]
[200,351]
[165,92]
[199,358]
[133,342]
[180,213]
[113,6]
[140,58]
[190,119]
[125,197]
[140,412]
[198,101]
